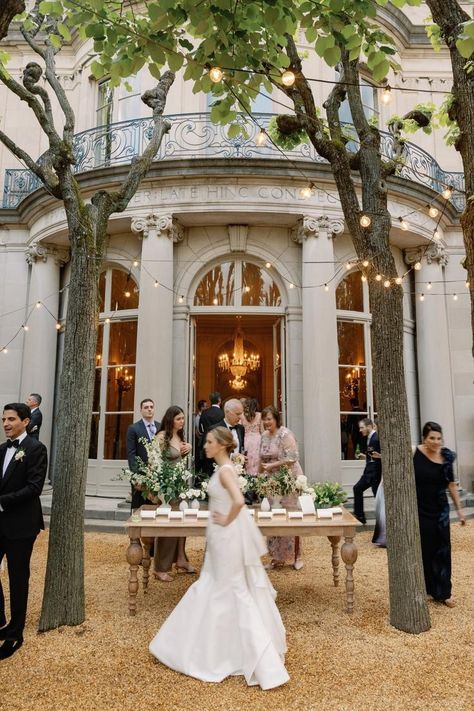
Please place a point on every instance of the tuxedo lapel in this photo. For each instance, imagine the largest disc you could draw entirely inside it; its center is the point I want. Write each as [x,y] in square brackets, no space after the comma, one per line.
[3,449]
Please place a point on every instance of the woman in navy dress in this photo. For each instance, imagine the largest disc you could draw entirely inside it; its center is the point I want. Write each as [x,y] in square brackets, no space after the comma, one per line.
[433,475]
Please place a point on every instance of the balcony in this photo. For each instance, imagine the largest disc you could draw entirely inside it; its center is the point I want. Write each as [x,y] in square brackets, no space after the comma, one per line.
[194,137]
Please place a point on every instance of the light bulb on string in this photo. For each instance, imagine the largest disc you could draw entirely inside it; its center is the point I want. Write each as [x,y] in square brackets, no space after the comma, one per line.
[447,192]
[386,283]
[398,280]
[58,326]
[365,221]
[468,284]
[127,294]
[135,262]
[422,297]
[378,277]
[215,302]
[403,224]
[5,350]
[268,265]
[417,266]
[429,285]
[291,285]
[365,263]
[455,297]
[181,299]
[261,137]
[387,94]
[38,304]
[363,278]
[307,191]
[216,74]
[25,327]
[156,284]
[348,265]
[436,235]
[288,78]
[107,320]
[326,287]
[433,211]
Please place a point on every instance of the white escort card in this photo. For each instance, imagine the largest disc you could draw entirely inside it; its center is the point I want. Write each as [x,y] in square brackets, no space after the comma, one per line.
[265,514]
[337,510]
[190,513]
[324,513]
[203,514]
[306,504]
[279,512]
[148,513]
[295,514]
[176,515]
[163,511]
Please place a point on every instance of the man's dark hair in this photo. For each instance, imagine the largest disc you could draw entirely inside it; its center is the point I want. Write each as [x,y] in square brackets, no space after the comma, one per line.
[214,398]
[201,404]
[147,399]
[366,421]
[37,398]
[22,410]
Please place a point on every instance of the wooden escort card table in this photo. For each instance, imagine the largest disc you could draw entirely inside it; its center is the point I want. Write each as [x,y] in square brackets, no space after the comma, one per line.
[142,533]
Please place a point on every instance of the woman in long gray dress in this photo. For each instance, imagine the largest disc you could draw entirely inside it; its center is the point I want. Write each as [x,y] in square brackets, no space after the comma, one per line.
[174,448]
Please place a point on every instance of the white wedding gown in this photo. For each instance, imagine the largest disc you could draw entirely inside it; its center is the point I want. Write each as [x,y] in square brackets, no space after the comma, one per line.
[227,623]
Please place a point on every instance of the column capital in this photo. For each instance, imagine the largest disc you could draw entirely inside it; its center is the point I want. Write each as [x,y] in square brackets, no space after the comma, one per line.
[163,225]
[435,252]
[309,226]
[39,251]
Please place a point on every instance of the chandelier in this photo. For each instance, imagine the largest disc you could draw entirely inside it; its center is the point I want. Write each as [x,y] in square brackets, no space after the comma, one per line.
[352,384]
[240,363]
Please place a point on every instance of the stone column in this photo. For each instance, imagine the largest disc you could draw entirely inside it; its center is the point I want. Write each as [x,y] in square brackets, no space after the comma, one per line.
[433,354]
[180,375]
[320,351]
[39,354]
[294,376]
[155,311]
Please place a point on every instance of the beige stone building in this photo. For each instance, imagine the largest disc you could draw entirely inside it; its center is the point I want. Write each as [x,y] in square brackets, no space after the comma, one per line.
[218,244]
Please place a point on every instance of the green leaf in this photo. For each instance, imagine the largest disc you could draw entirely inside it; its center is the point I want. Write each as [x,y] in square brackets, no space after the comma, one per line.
[234,130]
[465,47]
[311,34]
[381,70]
[64,31]
[332,56]
[175,61]
[55,41]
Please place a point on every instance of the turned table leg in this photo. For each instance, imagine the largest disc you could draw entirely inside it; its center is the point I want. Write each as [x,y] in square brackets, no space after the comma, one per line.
[134,558]
[349,556]
[334,541]
[147,542]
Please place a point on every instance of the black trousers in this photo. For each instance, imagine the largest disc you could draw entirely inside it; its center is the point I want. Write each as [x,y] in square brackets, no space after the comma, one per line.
[18,555]
[368,480]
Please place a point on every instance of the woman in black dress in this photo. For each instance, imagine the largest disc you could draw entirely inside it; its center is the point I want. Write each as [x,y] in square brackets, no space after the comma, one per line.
[433,475]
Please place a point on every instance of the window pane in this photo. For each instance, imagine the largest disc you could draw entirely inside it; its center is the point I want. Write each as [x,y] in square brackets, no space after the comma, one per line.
[120,388]
[349,293]
[217,287]
[99,345]
[123,343]
[116,435]
[102,291]
[96,404]
[352,389]
[350,338]
[94,437]
[258,287]
[351,438]
[105,104]
[123,284]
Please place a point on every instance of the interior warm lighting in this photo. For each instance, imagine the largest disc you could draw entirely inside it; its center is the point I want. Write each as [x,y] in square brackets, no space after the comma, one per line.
[363,278]
[378,277]
[240,362]
[127,294]
[288,78]
[365,263]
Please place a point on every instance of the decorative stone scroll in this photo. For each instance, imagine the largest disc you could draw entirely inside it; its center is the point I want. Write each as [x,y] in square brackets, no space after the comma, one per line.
[310,226]
[162,225]
[39,251]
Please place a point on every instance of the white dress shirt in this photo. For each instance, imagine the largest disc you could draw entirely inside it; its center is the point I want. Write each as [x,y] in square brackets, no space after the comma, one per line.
[11,451]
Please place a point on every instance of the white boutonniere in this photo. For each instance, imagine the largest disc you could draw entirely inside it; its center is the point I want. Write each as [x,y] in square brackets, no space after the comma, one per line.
[19,455]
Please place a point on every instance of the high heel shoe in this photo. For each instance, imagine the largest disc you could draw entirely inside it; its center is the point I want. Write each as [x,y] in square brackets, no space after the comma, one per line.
[185,567]
[298,564]
[164,577]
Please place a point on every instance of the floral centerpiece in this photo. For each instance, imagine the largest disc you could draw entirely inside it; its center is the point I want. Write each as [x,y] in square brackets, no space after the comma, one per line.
[160,478]
[281,482]
[327,494]
[244,480]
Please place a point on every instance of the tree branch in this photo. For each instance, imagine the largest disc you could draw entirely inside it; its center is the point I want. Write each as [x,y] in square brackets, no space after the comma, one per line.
[38,170]
[8,10]
[55,84]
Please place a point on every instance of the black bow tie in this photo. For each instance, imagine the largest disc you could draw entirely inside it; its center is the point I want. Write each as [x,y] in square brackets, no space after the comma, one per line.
[234,427]
[15,443]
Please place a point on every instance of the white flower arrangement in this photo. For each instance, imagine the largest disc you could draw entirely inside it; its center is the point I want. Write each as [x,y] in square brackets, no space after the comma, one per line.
[19,456]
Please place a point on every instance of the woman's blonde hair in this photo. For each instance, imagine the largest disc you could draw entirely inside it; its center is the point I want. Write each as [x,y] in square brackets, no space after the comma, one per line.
[224,438]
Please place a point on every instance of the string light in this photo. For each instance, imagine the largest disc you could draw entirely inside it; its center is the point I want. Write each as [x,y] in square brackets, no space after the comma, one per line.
[268,265]
[422,297]
[365,221]
[436,235]
[429,285]
[378,277]
[386,283]
[403,224]
[25,327]
[58,326]
[417,266]
[38,304]
[433,211]
[107,320]
[326,287]
[135,263]
[127,294]
[5,350]
[468,284]
[447,192]
[261,137]
[156,284]
[365,263]
[215,301]
[363,278]
[455,297]
[291,285]
[398,280]
[348,265]
[387,94]
[288,78]
[216,74]
[307,191]
[181,299]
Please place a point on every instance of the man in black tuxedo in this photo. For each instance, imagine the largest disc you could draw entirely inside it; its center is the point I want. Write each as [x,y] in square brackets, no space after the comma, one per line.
[209,418]
[23,464]
[146,429]
[233,411]
[36,420]
[372,475]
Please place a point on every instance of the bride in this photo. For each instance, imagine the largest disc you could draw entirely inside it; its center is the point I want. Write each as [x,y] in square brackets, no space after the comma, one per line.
[227,623]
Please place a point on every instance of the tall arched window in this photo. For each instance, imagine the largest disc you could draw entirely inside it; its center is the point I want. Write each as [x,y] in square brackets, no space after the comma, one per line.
[355,372]
[237,283]
[114,388]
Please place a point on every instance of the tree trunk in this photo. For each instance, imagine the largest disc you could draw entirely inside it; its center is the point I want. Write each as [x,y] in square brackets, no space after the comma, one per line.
[63,601]
[9,9]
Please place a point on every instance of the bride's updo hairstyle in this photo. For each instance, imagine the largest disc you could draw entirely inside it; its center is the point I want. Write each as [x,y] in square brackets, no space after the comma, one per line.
[224,438]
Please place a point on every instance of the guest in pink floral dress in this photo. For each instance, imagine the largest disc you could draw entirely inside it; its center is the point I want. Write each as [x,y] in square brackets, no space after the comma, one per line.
[277,448]
[252,421]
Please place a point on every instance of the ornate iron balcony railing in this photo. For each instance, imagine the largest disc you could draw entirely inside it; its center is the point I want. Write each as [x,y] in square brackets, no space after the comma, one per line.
[193,136]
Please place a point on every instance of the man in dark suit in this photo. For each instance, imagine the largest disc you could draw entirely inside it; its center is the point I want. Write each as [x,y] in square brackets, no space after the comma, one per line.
[208,419]
[233,411]
[372,475]
[144,429]
[36,420]
[23,464]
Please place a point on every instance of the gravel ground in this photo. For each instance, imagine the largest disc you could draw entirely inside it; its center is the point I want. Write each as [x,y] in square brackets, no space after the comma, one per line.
[336,662]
